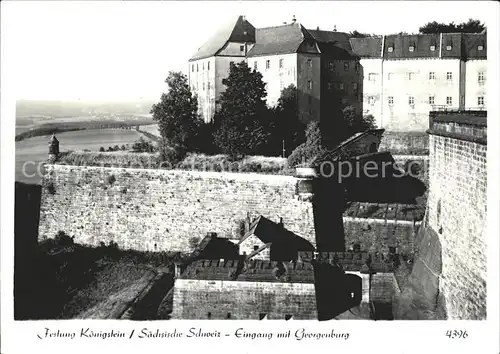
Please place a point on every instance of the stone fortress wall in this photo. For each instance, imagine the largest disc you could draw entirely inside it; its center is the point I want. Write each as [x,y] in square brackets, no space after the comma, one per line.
[161,210]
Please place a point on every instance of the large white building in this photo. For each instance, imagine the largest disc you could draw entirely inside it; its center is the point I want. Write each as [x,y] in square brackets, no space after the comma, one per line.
[398,78]
[406,76]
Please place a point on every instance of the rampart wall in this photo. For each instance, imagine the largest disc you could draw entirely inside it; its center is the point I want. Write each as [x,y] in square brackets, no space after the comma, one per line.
[162,210]
[457,211]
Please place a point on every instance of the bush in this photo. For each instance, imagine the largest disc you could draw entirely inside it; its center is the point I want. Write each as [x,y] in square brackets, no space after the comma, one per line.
[101,149]
[63,240]
[194,242]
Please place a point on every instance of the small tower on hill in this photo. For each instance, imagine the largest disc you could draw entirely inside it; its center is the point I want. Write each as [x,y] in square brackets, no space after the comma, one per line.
[53,148]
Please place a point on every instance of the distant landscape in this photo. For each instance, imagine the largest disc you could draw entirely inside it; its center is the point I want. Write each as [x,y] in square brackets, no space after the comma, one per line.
[80,126]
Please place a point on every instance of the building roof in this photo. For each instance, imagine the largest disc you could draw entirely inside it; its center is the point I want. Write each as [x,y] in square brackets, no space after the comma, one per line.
[238,30]
[421,44]
[285,39]
[333,44]
[266,230]
[369,47]
[448,45]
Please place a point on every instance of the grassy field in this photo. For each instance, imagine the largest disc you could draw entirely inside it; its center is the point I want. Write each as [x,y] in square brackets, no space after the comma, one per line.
[36,149]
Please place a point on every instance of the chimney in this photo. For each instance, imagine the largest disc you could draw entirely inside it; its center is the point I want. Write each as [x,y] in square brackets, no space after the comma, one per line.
[244,18]
[317,28]
[293,19]
[334,28]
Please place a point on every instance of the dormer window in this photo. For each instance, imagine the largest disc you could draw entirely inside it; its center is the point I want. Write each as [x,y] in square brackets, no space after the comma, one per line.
[480,47]
[433,48]
[390,49]
[242,48]
[411,48]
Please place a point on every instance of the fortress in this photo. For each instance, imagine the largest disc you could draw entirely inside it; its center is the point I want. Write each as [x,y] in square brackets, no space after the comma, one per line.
[162,210]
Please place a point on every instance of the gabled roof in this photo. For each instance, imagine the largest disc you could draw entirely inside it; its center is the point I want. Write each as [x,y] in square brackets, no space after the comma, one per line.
[239,30]
[286,39]
[266,230]
[369,47]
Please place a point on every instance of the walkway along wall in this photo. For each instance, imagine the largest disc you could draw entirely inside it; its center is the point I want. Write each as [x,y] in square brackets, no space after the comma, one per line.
[161,210]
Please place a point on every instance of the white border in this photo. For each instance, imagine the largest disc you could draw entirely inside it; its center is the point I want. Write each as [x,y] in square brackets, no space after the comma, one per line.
[366,336]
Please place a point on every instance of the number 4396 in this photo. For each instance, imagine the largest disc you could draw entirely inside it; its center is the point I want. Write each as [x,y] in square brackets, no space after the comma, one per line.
[456,334]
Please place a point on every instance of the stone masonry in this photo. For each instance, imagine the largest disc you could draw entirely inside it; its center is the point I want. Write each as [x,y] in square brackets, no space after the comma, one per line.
[161,210]
[457,210]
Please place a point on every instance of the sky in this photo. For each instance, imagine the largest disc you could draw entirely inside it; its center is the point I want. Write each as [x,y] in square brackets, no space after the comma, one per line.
[123,50]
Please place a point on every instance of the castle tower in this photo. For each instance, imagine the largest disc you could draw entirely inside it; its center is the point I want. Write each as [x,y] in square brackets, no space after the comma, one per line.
[53,148]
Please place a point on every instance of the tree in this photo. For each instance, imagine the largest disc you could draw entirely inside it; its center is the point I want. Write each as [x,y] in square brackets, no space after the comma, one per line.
[101,149]
[356,34]
[471,26]
[176,114]
[288,128]
[312,147]
[242,121]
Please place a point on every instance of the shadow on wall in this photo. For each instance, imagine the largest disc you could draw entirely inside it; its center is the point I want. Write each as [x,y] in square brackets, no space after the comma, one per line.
[336,292]
[381,183]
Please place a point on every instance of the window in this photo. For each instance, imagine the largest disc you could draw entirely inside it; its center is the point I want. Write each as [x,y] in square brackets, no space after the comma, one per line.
[255,65]
[242,48]
[357,66]
[411,101]
[192,68]
[208,85]
[389,76]
[309,85]
[431,99]
[268,64]
[309,63]
[341,86]
[390,49]
[390,99]
[255,248]
[480,78]
[208,66]
[281,63]
[411,48]
[203,66]
[432,75]
[288,317]
[410,76]
[449,101]
[480,47]
[228,315]
[371,77]
[262,316]
[371,100]
[480,101]
[346,65]
[209,315]
[433,48]
[331,65]
[449,76]
[196,67]
[330,85]
[354,86]
[203,86]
